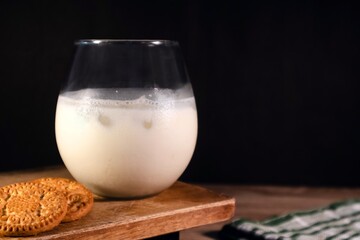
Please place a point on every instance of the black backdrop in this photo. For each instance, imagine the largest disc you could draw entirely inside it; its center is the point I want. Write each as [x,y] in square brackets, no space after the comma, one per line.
[276,83]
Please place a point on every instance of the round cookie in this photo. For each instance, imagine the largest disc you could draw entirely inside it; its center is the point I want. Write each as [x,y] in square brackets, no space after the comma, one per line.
[30,208]
[79,199]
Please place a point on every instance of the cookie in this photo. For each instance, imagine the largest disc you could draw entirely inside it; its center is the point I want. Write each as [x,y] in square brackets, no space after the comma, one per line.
[30,208]
[79,199]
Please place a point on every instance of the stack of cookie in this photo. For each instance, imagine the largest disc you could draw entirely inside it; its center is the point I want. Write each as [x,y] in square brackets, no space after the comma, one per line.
[29,208]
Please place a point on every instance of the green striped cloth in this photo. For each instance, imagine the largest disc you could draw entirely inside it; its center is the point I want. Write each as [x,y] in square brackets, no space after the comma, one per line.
[337,221]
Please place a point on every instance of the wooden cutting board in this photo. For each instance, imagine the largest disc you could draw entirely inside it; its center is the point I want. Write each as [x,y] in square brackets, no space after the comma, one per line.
[180,207]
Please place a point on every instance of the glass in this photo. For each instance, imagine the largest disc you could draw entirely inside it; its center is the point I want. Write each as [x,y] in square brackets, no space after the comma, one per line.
[126,119]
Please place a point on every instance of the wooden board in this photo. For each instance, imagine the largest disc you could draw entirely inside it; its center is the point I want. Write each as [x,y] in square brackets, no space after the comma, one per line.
[180,207]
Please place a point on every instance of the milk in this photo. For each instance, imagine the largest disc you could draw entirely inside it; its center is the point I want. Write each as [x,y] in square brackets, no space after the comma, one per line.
[129,143]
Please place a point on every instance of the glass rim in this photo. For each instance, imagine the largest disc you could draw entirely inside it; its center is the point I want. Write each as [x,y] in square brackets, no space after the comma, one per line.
[150,42]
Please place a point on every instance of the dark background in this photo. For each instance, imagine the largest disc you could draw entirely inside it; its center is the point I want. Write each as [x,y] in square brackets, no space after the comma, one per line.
[276,83]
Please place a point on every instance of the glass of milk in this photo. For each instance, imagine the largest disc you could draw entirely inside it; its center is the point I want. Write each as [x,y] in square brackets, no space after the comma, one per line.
[126,119]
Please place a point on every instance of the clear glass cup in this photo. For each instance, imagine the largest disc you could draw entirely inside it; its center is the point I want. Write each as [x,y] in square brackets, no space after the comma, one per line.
[126,119]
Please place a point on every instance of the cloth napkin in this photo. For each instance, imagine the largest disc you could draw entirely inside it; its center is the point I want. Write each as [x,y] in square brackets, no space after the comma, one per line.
[340,220]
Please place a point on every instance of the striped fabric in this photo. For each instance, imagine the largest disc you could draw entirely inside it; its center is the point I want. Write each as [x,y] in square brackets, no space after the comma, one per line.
[337,221]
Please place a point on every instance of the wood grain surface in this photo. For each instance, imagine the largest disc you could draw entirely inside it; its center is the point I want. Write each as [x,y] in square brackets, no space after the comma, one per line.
[180,207]
[256,202]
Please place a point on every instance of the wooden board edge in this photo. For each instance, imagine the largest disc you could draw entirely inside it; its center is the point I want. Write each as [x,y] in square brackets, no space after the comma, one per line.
[159,225]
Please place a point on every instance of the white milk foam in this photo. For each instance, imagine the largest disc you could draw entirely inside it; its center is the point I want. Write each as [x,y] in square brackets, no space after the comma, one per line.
[126,143]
